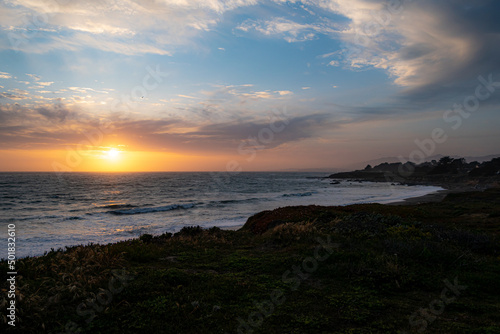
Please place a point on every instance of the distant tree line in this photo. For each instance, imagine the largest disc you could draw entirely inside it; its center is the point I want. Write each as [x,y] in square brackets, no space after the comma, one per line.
[445,165]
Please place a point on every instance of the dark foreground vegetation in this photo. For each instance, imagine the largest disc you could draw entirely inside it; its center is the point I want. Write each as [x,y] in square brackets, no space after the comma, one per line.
[428,268]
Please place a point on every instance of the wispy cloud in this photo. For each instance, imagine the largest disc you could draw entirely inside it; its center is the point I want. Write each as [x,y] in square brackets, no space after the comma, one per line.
[19,91]
[86,90]
[117,26]
[5,75]
[11,96]
[243,92]
[34,76]
[188,97]
[289,30]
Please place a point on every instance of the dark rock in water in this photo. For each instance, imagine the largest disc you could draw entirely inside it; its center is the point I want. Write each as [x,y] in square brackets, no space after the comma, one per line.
[335,182]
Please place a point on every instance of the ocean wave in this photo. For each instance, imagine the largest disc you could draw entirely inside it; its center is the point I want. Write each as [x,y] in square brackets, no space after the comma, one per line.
[130,230]
[37,218]
[309,193]
[253,199]
[151,210]
[117,206]
[233,201]
[74,218]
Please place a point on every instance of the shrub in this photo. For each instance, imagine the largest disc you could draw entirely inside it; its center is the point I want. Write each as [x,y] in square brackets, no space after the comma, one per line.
[190,231]
[146,238]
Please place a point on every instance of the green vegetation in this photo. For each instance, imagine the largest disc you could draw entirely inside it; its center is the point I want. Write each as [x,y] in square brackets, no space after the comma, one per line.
[381,265]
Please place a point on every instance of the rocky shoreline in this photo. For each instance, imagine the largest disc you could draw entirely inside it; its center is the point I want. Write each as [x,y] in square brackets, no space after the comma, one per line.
[453,175]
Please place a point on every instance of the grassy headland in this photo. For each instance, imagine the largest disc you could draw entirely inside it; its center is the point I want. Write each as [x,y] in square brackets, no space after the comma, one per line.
[370,268]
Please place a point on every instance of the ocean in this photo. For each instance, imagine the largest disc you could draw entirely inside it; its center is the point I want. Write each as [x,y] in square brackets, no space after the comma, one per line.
[54,211]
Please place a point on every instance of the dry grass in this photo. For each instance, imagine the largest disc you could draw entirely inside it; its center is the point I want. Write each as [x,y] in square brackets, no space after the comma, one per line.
[61,278]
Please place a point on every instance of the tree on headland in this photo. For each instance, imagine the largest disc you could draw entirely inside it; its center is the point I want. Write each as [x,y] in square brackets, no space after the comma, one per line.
[451,168]
[444,161]
[488,168]
[447,165]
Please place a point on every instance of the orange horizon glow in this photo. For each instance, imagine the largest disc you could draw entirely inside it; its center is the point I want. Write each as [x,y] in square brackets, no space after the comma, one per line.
[111,159]
[118,159]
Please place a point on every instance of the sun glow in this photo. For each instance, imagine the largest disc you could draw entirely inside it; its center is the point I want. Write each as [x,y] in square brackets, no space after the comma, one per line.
[112,154]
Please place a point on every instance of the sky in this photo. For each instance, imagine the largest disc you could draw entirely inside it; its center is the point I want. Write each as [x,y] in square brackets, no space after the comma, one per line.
[245,85]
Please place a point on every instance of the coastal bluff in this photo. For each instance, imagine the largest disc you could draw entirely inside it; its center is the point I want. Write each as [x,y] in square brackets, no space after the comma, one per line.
[448,173]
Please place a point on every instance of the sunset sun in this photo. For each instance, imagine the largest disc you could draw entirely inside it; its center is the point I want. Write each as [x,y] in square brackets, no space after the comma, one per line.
[112,154]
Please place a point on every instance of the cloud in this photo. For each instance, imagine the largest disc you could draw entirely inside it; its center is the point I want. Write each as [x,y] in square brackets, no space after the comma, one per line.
[14,94]
[48,126]
[243,93]
[120,26]
[284,92]
[257,95]
[58,113]
[34,76]
[143,127]
[19,91]
[7,95]
[431,48]
[289,30]
[421,44]
[56,126]
[228,137]
[20,94]
[5,75]
[293,129]
[86,90]
[226,103]
[187,96]
[327,55]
